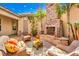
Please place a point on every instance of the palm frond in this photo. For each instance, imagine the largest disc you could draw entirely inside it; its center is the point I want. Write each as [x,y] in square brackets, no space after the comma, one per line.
[40,14]
[60,9]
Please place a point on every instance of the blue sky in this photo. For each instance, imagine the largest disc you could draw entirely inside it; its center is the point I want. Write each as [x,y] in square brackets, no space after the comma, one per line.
[23,7]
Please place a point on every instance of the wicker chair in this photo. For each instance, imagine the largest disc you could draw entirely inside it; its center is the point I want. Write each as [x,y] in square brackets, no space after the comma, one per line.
[3,39]
[24,36]
[63,49]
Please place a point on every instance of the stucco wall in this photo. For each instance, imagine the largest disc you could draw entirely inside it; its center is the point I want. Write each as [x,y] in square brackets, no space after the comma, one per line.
[24,25]
[74,17]
[65,25]
[74,14]
[20,25]
[6,26]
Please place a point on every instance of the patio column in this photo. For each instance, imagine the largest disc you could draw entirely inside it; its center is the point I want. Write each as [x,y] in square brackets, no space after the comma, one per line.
[23,25]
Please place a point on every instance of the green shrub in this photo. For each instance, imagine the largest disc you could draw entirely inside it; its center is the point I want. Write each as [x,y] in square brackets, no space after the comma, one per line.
[34,32]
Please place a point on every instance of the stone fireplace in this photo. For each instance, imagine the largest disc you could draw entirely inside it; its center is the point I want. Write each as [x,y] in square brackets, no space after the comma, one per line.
[52,27]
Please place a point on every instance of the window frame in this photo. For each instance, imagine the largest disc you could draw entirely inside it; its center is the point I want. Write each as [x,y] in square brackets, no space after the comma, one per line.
[14,25]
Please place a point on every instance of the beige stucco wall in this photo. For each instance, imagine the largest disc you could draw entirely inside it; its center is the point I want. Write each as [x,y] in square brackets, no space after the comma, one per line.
[65,25]
[6,26]
[29,27]
[74,17]
[20,25]
[74,14]
[6,22]
[7,17]
[24,25]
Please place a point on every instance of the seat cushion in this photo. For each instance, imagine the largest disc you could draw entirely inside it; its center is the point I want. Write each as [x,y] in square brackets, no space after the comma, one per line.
[3,39]
[55,51]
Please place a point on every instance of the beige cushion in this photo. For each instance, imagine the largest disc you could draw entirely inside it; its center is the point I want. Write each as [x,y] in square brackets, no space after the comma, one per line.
[21,45]
[75,52]
[74,44]
[28,37]
[53,51]
[3,39]
[68,49]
